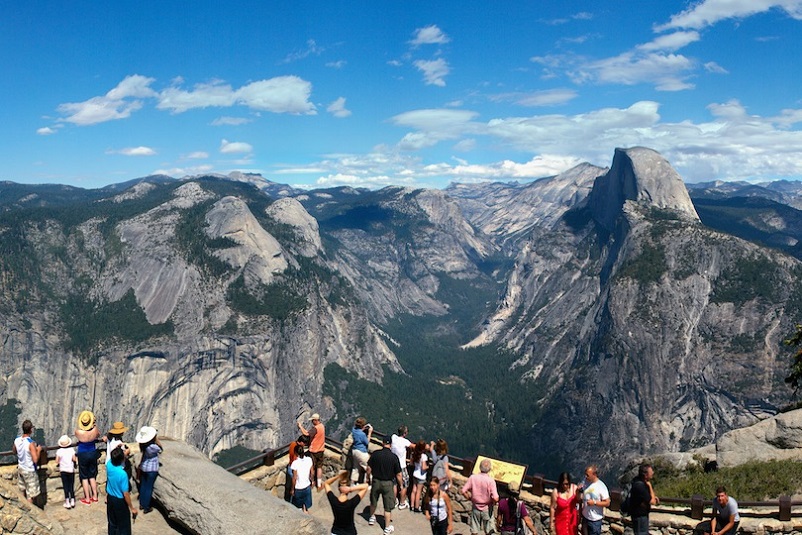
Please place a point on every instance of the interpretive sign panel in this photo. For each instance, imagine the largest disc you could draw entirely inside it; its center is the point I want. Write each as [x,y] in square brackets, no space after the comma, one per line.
[502,471]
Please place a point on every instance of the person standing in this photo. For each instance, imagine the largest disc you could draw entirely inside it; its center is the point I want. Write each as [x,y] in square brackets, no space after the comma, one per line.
[118,502]
[641,499]
[481,490]
[148,470]
[28,453]
[564,501]
[87,433]
[384,471]
[595,497]
[512,512]
[343,506]
[303,471]
[66,461]
[317,445]
[400,447]
[361,434]
[437,507]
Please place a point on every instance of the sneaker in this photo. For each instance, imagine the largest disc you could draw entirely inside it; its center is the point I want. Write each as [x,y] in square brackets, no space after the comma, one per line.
[404,505]
[86,502]
[66,504]
[389,529]
[72,502]
[371,520]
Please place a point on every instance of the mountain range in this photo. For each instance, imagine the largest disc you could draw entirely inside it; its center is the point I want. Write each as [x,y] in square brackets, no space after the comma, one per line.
[592,316]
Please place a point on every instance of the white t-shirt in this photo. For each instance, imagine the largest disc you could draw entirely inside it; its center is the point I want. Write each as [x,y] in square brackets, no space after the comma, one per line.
[64,457]
[419,473]
[302,466]
[597,492]
[399,447]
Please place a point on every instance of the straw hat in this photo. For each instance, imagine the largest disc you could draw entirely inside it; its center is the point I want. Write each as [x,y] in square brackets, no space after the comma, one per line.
[118,428]
[146,434]
[64,441]
[86,421]
[315,416]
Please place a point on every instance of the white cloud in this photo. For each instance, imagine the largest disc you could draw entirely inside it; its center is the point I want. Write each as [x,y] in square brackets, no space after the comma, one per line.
[667,72]
[433,126]
[394,63]
[709,12]
[235,147]
[230,121]
[337,64]
[429,35]
[433,71]
[673,41]
[312,49]
[198,155]
[184,171]
[712,66]
[548,97]
[46,131]
[134,151]
[118,103]
[337,108]
[282,94]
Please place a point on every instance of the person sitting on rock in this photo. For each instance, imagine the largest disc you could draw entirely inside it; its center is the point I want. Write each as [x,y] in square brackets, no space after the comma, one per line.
[725,517]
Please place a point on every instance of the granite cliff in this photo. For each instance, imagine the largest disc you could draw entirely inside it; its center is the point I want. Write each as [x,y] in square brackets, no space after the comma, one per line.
[210,309]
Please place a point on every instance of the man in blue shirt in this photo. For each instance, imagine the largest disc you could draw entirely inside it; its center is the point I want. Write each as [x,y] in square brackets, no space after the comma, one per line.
[118,502]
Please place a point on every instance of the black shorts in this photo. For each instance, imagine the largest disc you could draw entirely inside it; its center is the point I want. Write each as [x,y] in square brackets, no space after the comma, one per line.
[87,464]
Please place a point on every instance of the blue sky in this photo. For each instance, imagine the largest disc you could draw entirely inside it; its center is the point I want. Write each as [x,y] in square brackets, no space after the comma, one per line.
[318,94]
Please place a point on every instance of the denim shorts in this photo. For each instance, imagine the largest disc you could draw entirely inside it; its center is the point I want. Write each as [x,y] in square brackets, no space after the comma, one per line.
[303,498]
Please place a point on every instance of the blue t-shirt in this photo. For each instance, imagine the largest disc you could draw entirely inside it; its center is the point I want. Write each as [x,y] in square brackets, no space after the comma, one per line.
[116,480]
[360,440]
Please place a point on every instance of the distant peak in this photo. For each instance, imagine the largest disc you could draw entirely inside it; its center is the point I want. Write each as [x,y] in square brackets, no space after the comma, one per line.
[640,175]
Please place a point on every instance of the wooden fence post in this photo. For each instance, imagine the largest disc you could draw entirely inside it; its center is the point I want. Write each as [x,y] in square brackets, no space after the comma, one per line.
[615,500]
[785,508]
[270,458]
[538,485]
[467,467]
[697,507]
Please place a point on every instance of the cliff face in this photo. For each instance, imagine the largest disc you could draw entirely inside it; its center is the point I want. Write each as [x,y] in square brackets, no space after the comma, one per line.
[208,310]
[648,331]
[208,349]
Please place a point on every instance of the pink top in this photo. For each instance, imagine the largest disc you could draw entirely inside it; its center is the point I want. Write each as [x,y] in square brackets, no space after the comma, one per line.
[483,491]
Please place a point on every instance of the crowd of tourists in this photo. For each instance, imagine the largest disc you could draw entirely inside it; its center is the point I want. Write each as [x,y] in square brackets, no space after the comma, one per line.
[416,476]
[82,455]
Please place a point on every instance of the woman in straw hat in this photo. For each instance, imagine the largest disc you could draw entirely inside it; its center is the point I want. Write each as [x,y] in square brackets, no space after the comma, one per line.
[87,433]
[148,470]
[66,460]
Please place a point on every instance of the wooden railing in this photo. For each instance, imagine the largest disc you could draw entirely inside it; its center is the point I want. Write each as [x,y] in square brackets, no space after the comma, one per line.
[536,484]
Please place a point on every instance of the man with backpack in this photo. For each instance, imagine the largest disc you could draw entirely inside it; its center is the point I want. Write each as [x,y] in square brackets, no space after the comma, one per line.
[641,499]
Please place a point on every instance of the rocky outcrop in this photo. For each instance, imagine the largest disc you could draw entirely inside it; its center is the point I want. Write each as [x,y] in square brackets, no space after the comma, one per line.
[291,212]
[776,438]
[205,499]
[641,176]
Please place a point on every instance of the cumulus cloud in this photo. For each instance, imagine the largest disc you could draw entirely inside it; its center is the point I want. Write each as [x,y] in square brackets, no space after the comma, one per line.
[282,94]
[235,147]
[118,103]
[667,72]
[709,12]
[433,71]
[429,35]
[337,108]
[433,126]
[46,131]
[134,151]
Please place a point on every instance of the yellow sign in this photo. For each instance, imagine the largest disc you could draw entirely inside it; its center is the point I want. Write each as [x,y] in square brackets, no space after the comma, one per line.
[502,471]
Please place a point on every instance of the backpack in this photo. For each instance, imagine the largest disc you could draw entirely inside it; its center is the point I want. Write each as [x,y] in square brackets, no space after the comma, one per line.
[626,503]
[439,470]
[520,528]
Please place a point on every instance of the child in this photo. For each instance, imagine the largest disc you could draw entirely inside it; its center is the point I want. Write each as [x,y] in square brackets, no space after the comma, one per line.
[66,459]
